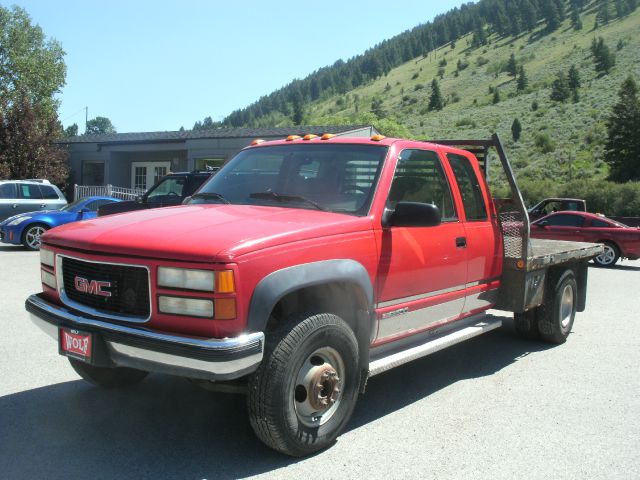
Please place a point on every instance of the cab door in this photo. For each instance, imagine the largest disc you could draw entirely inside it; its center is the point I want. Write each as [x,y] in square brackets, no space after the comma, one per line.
[422,270]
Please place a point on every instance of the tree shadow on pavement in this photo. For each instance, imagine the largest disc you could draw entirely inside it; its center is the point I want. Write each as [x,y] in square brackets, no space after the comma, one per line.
[168,428]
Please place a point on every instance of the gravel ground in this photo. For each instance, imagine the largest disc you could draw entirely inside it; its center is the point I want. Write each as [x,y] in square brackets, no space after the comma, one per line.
[494,407]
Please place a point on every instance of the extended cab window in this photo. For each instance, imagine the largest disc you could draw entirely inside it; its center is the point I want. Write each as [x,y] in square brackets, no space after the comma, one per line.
[420,178]
[470,191]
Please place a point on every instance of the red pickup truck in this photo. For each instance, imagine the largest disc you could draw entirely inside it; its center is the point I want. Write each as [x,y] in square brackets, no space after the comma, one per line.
[302,268]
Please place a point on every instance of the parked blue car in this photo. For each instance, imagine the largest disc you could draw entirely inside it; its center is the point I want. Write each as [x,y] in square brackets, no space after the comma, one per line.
[27,228]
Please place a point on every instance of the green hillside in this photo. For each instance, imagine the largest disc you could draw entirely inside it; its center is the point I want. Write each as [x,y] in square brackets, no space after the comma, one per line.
[576,130]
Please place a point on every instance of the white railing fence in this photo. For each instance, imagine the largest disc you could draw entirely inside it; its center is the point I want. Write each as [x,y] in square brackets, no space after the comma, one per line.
[84,191]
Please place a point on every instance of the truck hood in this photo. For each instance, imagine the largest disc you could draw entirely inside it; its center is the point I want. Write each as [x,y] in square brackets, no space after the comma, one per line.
[201,232]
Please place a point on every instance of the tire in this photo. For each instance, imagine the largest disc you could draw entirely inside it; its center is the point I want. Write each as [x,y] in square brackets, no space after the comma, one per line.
[108,377]
[527,324]
[609,257]
[303,394]
[31,236]
[557,313]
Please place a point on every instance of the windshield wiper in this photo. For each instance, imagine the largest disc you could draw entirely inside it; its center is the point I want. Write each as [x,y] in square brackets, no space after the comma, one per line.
[286,198]
[211,195]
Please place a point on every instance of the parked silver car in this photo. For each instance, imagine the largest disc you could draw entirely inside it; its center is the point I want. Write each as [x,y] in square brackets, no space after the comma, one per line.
[21,196]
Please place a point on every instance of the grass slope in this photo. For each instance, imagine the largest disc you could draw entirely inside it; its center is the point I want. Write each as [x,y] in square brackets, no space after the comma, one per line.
[576,130]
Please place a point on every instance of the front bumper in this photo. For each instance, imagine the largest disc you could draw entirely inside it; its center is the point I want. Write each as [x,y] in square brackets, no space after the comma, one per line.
[11,235]
[145,349]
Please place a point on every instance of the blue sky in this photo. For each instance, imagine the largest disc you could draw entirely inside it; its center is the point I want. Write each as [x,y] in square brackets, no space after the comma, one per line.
[159,65]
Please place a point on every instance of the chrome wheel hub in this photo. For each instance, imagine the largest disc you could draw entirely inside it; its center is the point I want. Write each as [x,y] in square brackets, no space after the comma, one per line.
[566,306]
[33,237]
[606,257]
[318,388]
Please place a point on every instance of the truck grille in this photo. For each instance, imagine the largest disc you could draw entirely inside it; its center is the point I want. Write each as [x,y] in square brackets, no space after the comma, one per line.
[126,291]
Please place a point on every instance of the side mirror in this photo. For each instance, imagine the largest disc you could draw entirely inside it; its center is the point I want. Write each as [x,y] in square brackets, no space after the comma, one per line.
[139,198]
[412,214]
[543,223]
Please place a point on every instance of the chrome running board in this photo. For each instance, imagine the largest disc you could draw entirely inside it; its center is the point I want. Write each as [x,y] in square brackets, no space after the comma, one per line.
[434,342]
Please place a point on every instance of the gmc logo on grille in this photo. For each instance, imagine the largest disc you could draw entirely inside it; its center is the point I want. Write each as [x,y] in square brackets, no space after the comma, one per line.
[92,287]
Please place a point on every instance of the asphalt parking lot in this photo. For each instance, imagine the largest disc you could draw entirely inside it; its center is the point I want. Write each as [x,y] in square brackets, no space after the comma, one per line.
[495,407]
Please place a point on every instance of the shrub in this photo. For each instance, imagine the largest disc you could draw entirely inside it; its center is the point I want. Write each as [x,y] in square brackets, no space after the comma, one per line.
[466,122]
[544,143]
[415,75]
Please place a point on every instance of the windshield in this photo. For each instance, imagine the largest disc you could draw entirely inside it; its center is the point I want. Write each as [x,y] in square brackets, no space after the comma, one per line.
[332,177]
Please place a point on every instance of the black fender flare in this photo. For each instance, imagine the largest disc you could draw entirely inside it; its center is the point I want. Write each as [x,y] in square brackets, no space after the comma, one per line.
[280,283]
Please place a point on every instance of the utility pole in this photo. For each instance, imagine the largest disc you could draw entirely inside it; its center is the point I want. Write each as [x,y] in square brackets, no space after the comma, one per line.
[86,118]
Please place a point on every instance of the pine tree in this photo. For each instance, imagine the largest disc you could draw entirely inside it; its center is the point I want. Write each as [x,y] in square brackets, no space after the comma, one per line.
[603,59]
[516,129]
[528,13]
[496,96]
[512,66]
[549,11]
[622,149]
[560,90]
[603,15]
[435,100]
[523,81]
[574,78]
[574,83]
[576,23]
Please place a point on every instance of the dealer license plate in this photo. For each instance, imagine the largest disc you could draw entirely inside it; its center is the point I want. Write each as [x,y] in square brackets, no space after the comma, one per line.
[76,344]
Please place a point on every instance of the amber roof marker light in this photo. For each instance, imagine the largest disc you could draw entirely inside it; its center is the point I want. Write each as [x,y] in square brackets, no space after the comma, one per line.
[257,141]
[309,136]
[377,138]
[327,136]
[291,138]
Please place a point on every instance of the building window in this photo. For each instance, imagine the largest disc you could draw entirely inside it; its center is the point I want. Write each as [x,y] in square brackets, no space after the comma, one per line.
[158,173]
[140,178]
[93,173]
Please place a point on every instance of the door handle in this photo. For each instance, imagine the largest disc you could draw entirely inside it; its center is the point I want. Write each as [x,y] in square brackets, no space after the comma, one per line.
[42,206]
[461,242]
[15,205]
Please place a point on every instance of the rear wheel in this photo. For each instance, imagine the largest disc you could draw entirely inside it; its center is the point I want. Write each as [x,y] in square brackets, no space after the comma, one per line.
[557,313]
[303,394]
[108,377]
[32,234]
[609,257]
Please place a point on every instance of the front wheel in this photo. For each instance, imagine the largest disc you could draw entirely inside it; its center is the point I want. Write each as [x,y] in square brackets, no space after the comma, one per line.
[608,257]
[31,236]
[303,394]
[108,377]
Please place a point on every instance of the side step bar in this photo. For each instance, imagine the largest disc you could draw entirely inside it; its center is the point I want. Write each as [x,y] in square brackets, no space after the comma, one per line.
[431,345]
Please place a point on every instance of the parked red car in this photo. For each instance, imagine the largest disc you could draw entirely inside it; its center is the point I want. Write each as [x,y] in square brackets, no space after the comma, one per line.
[619,240]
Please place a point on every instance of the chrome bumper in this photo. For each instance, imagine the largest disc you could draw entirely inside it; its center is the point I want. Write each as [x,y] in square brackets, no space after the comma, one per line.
[210,359]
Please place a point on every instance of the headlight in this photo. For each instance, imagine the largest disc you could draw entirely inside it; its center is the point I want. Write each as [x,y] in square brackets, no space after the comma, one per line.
[193,307]
[18,221]
[47,257]
[189,279]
